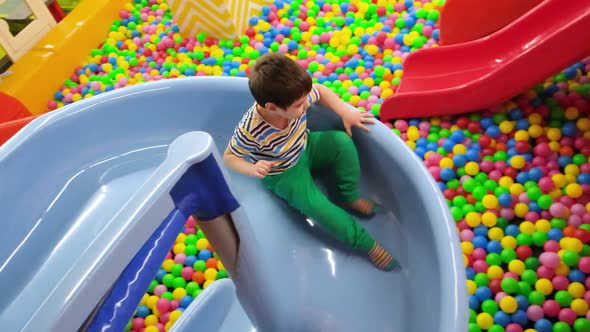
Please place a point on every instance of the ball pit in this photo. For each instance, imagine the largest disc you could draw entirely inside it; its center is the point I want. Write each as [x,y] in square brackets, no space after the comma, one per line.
[516,176]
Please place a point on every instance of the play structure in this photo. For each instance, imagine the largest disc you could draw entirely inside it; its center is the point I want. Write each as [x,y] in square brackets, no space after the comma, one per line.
[134,174]
[473,75]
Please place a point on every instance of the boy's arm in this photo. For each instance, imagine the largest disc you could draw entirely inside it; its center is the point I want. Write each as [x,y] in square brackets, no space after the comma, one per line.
[236,163]
[349,116]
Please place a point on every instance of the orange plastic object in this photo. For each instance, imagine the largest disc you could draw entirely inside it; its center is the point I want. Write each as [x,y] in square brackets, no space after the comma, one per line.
[8,129]
[471,76]
[11,108]
[466,20]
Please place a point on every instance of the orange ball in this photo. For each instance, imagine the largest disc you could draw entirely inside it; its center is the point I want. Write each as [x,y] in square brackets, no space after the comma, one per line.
[198,277]
[212,263]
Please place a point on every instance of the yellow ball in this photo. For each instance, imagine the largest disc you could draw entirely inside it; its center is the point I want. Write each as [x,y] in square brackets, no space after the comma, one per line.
[471,168]
[151,320]
[179,248]
[151,302]
[583,124]
[490,202]
[446,163]
[571,113]
[527,227]
[521,209]
[207,283]
[151,328]
[516,266]
[544,286]
[495,272]
[522,135]
[202,243]
[489,219]
[574,190]
[506,127]
[571,243]
[484,320]
[495,234]
[543,225]
[168,264]
[471,287]
[508,242]
[467,247]
[473,219]
[576,289]
[210,274]
[181,238]
[516,189]
[175,315]
[562,269]
[517,161]
[580,307]
[508,304]
[559,180]
[179,293]
[459,149]
[413,133]
[505,181]
[554,134]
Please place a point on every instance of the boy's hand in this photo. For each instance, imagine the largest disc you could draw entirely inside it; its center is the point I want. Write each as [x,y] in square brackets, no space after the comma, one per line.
[355,118]
[261,168]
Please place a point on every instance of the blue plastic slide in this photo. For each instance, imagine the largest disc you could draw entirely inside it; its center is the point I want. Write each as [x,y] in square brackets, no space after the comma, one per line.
[92,196]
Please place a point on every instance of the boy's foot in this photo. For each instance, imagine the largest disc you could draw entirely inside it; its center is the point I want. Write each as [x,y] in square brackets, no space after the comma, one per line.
[363,206]
[381,258]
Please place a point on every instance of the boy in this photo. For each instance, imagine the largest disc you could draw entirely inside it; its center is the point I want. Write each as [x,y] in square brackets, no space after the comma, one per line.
[273,134]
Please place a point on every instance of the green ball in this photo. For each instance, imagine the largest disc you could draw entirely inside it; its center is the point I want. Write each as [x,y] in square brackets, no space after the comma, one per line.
[534,193]
[469,185]
[222,274]
[472,316]
[191,287]
[459,201]
[582,325]
[176,269]
[168,296]
[454,184]
[152,286]
[473,328]
[493,259]
[536,297]
[529,276]
[539,238]
[564,298]
[197,292]
[481,279]
[496,328]
[179,282]
[508,255]
[433,15]
[558,223]
[532,263]
[168,279]
[489,306]
[570,258]
[523,239]
[479,192]
[128,326]
[457,213]
[200,265]
[190,250]
[579,159]
[545,202]
[509,285]
[524,288]
[561,327]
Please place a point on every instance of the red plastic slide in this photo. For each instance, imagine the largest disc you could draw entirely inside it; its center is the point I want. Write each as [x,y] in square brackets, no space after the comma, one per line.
[474,75]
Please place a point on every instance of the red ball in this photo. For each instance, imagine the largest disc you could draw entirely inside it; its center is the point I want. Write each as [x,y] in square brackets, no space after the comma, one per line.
[381,36]
[484,141]
[495,286]
[381,11]
[521,146]
[582,235]
[462,122]
[449,194]
[524,252]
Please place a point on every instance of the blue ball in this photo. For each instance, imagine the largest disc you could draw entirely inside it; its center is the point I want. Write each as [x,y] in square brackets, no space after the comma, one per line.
[185,301]
[143,311]
[204,254]
[480,230]
[494,247]
[448,145]
[473,302]
[493,131]
[584,178]
[523,124]
[483,293]
[458,136]
[569,128]
[555,234]
[190,260]
[505,199]
[543,325]
[480,242]
[502,318]
[160,274]
[469,273]
[523,302]
[520,317]
[535,174]
[522,177]
[459,160]
[577,276]
[512,230]
[447,174]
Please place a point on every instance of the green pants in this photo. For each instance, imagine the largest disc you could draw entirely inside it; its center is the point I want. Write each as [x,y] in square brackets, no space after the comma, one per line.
[336,150]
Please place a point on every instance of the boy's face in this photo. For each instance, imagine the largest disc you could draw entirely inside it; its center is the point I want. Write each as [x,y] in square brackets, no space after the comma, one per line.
[294,110]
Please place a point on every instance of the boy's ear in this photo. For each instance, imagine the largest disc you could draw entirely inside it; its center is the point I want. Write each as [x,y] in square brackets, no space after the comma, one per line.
[272,107]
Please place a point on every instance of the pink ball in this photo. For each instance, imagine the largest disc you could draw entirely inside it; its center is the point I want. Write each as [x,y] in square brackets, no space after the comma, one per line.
[560,282]
[584,265]
[524,198]
[574,220]
[479,254]
[552,246]
[160,327]
[535,312]
[587,296]
[467,235]
[163,305]
[550,259]
[500,296]
[402,125]
[568,316]
[180,258]
[546,184]
[486,166]
[168,255]
[52,104]
[283,48]
[542,149]
[480,266]
[160,289]
[558,210]
[551,308]
[545,272]
[138,323]
[174,304]
[190,230]
[507,213]
[513,327]
[187,273]
[165,317]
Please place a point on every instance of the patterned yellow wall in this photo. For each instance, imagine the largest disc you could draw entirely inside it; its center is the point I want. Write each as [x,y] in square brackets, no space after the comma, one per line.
[222,19]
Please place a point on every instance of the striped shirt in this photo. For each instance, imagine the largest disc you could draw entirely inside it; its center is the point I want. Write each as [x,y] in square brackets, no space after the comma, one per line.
[257,139]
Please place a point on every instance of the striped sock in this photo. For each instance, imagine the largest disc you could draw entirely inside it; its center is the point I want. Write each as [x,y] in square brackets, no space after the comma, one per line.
[381,258]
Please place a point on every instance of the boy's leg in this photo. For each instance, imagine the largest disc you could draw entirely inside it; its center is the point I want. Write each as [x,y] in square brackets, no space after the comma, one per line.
[337,150]
[297,188]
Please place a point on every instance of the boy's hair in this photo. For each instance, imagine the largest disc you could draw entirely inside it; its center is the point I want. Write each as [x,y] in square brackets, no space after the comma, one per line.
[278,79]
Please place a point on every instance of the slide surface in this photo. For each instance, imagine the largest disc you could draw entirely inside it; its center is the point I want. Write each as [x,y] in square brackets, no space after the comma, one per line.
[108,164]
[474,75]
